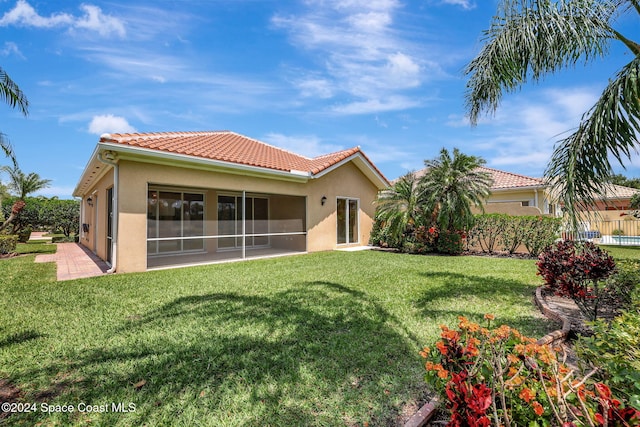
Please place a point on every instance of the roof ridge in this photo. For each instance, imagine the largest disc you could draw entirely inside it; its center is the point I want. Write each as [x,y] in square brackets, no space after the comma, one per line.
[270,145]
[354,149]
[510,173]
[131,136]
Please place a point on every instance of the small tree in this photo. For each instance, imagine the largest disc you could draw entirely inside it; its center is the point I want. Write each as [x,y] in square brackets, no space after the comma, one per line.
[62,215]
[23,185]
[400,209]
[452,185]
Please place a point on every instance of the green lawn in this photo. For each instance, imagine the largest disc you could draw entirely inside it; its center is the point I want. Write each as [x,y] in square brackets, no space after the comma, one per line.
[321,339]
[622,252]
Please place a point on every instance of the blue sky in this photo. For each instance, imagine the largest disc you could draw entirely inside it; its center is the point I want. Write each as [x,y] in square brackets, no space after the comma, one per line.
[311,76]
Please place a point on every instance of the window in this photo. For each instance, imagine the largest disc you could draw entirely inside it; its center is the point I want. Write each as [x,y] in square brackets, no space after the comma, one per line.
[347,226]
[177,214]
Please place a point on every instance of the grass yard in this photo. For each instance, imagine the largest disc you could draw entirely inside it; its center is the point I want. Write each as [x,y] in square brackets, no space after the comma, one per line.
[622,252]
[324,339]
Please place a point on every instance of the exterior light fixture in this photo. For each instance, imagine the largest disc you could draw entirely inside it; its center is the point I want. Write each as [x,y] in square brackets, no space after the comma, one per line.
[323,200]
[90,201]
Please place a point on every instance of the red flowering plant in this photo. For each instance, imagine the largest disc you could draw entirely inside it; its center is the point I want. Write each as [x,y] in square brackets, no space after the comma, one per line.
[501,377]
[578,271]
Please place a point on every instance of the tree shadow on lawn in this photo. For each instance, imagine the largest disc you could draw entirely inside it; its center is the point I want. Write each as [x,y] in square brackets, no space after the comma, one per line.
[458,293]
[316,354]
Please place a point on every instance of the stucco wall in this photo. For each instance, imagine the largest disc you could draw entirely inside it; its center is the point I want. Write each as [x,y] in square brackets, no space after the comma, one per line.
[345,181]
[96,216]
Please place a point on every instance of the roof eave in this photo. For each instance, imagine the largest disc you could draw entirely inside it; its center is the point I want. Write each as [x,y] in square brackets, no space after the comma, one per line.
[362,163]
[149,155]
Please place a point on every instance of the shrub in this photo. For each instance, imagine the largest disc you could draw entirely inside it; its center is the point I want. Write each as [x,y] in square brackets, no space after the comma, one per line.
[614,346]
[450,242]
[578,271]
[488,231]
[500,377]
[512,236]
[539,232]
[8,244]
[617,232]
[24,235]
[508,232]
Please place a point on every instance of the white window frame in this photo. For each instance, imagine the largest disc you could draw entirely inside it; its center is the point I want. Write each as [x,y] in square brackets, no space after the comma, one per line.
[348,199]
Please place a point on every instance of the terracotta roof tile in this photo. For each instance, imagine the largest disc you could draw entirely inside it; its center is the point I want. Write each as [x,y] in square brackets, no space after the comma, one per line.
[230,147]
[504,180]
[618,192]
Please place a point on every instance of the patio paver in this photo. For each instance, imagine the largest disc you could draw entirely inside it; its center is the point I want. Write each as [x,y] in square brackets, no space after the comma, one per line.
[74,261]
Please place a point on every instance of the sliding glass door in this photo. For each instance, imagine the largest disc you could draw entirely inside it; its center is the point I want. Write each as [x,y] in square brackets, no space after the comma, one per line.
[175,218]
[256,215]
[347,226]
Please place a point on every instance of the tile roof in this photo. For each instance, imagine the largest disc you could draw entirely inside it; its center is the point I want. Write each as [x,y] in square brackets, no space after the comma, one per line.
[504,180]
[613,191]
[230,147]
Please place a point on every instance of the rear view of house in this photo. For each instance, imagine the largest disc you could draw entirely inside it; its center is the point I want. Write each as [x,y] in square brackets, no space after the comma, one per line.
[157,200]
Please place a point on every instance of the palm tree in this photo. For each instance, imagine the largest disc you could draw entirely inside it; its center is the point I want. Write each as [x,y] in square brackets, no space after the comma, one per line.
[400,207]
[23,185]
[453,185]
[529,39]
[12,95]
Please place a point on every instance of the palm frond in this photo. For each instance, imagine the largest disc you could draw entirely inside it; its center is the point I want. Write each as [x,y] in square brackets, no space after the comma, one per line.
[11,93]
[530,38]
[7,149]
[580,166]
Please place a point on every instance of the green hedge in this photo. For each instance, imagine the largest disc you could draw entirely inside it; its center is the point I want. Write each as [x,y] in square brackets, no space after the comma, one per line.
[506,233]
[8,244]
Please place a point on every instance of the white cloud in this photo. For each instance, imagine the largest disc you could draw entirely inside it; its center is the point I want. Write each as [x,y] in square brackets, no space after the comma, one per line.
[465,4]
[23,14]
[526,128]
[361,56]
[109,123]
[60,191]
[11,48]
[315,87]
[95,20]
[370,106]
[306,145]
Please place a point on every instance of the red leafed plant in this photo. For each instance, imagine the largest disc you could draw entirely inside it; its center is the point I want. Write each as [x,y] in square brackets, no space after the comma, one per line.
[501,377]
[578,271]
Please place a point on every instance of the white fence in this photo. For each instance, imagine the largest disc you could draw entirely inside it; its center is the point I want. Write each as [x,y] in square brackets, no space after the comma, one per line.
[623,232]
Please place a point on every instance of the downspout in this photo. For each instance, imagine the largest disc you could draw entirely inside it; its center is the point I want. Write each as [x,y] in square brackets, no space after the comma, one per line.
[82,212]
[108,157]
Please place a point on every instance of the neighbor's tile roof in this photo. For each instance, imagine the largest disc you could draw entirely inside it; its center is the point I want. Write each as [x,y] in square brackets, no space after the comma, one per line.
[230,147]
[613,191]
[503,180]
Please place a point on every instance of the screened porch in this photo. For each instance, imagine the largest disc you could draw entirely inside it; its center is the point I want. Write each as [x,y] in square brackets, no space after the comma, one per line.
[199,226]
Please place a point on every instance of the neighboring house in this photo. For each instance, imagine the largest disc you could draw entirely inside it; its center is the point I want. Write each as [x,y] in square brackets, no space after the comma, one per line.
[615,198]
[157,200]
[515,194]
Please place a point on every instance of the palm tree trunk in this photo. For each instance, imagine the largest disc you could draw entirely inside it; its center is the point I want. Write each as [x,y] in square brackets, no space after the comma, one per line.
[18,206]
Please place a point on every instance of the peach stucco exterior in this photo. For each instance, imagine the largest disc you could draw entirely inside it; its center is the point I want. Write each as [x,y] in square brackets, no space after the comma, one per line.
[135,174]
